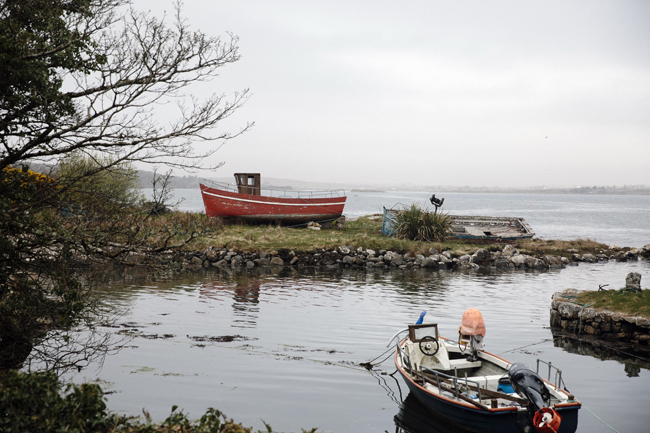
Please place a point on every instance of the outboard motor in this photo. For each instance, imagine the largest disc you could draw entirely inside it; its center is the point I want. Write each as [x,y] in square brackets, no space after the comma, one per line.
[472,328]
[530,386]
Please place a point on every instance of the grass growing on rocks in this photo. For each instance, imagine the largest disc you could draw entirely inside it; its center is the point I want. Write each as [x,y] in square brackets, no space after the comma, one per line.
[637,304]
[365,232]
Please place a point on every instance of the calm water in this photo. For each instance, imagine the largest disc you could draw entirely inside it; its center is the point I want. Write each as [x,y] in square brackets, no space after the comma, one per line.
[612,219]
[300,337]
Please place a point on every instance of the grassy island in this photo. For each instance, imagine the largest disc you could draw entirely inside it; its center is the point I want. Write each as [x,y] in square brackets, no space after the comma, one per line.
[365,232]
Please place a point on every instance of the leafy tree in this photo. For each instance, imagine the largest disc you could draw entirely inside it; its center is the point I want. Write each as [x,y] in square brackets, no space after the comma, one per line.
[79,75]
[84,85]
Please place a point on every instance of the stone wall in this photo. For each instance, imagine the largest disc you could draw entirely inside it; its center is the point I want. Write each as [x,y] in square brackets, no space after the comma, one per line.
[577,319]
[350,257]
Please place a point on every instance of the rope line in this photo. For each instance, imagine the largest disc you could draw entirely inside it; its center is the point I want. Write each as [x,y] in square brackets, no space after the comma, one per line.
[600,419]
[546,340]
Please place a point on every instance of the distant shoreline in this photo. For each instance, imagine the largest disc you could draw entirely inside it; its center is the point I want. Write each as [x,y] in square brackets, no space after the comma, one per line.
[191,181]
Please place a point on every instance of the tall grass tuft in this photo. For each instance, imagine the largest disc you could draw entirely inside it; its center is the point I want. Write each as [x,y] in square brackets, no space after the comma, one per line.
[417,224]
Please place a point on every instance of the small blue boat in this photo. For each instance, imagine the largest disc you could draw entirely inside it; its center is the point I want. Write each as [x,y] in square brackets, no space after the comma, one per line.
[464,385]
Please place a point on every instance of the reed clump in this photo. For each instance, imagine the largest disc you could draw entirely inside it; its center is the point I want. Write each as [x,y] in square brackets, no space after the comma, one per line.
[416,224]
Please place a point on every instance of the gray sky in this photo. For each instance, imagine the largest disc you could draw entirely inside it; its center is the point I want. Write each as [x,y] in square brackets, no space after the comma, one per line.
[480,93]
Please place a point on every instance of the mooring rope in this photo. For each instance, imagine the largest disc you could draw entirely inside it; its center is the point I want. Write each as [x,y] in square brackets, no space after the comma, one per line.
[600,419]
[368,365]
[546,340]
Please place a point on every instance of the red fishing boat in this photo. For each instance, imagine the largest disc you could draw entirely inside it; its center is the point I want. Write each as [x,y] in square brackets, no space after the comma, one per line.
[246,202]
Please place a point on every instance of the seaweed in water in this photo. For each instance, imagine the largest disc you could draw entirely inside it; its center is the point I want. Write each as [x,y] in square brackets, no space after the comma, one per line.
[219,339]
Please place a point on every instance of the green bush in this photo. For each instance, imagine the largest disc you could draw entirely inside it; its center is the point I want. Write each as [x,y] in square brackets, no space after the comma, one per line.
[34,403]
[98,184]
[417,224]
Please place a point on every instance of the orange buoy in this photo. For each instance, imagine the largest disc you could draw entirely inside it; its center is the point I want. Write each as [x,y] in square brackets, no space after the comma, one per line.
[472,323]
[546,420]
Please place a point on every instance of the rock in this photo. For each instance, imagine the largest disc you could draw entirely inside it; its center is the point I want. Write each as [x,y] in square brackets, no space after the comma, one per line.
[347,260]
[519,260]
[212,255]
[572,251]
[344,250]
[509,251]
[370,252]
[428,262]
[630,255]
[277,261]
[589,258]
[465,259]
[503,264]
[481,256]
[633,282]
[447,254]
[196,261]
[293,261]
[250,264]
[645,251]
[264,262]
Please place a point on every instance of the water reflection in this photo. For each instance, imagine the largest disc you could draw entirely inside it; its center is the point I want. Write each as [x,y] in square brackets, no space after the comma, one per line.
[413,417]
[245,293]
[605,351]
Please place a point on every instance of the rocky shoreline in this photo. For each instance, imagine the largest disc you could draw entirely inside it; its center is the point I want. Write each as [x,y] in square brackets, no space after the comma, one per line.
[509,258]
[575,320]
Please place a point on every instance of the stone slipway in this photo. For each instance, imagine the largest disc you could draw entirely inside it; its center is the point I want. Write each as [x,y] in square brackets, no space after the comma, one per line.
[578,320]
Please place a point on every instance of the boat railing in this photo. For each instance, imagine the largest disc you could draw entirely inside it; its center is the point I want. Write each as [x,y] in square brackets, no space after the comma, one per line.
[558,373]
[268,192]
[455,380]
[404,357]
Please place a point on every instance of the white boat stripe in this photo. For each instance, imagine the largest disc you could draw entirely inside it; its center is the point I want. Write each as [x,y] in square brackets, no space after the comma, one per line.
[273,203]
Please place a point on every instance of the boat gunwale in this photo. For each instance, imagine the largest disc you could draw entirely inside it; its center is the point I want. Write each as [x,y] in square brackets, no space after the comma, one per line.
[234,189]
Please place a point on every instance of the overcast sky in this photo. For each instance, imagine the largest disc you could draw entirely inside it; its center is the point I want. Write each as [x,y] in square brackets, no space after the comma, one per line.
[479,93]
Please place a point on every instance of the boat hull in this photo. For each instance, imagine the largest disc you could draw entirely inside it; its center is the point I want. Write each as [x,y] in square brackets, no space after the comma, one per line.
[256,208]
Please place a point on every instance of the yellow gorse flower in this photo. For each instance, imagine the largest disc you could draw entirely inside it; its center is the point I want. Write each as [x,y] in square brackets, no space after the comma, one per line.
[39,179]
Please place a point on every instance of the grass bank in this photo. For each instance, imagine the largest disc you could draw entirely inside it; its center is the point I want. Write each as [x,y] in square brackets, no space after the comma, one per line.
[366,232]
[636,304]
